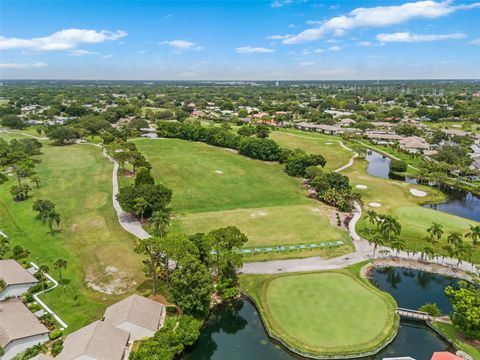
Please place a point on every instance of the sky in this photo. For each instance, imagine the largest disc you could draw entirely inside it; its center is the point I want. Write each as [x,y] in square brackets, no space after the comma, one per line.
[240,40]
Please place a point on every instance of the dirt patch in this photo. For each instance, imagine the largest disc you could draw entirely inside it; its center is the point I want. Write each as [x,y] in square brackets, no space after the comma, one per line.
[332,217]
[109,280]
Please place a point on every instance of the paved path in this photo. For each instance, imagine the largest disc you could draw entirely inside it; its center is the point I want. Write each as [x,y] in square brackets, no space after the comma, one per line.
[350,162]
[363,251]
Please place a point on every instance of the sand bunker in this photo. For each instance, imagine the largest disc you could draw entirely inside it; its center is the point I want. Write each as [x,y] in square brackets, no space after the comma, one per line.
[375,204]
[328,143]
[219,172]
[257,214]
[416,192]
[360,186]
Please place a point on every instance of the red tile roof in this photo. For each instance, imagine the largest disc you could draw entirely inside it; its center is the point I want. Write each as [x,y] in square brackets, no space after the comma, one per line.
[445,355]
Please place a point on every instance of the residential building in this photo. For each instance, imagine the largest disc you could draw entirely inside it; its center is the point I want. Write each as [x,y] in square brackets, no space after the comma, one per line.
[445,355]
[382,138]
[97,341]
[414,144]
[17,279]
[140,316]
[19,328]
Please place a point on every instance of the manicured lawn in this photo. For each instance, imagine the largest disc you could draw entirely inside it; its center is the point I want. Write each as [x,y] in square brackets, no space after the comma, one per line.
[278,225]
[448,330]
[395,198]
[314,143]
[214,187]
[99,252]
[324,313]
[206,178]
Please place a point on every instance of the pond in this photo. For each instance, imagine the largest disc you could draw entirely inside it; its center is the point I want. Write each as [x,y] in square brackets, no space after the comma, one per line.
[458,202]
[413,288]
[236,332]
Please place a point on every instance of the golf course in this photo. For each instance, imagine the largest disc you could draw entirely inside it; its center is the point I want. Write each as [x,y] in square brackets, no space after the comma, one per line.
[215,187]
[102,265]
[360,318]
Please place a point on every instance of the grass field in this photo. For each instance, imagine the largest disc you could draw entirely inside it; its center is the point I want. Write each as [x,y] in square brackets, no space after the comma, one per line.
[214,187]
[448,330]
[298,307]
[99,253]
[314,143]
[395,198]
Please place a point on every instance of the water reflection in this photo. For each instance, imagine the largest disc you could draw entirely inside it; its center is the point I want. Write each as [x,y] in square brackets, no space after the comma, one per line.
[413,288]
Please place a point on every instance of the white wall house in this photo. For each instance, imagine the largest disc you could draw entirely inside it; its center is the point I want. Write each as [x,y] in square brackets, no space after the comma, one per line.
[19,328]
[17,279]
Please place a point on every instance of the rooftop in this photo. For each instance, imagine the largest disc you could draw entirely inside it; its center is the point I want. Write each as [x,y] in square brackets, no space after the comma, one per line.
[13,273]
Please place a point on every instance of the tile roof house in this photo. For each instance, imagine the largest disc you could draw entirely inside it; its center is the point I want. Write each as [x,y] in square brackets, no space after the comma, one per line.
[382,137]
[414,144]
[97,341]
[140,316]
[445,355]
[17,279]
[19,328]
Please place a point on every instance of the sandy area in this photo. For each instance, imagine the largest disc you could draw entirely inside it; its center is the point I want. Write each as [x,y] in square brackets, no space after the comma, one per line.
[416,192]
[219,172]
[360,186]
[374,204]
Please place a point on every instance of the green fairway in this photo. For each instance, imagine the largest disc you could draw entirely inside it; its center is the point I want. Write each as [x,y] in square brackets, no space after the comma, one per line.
[395,198]
[324,313]
[215,187]
[314,143]
[99,252]
[270,225]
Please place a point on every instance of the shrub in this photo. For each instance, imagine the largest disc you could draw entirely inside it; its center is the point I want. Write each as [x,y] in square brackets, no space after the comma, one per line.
[34,307]
[398,166]
[57,347]
[55,334]
[430,309]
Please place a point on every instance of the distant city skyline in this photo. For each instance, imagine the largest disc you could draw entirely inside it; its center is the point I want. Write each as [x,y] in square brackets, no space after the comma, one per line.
[240,40]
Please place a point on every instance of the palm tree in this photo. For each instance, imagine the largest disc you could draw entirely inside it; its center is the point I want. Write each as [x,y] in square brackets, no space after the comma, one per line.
[43,270]
[51,217]
[36,180]
[428,253]
[398,244]
[377,241]
[59,265]
[455,239]
[474,234]
[390,226]
[161,219]
[435,231]
[372,217]
[140,207]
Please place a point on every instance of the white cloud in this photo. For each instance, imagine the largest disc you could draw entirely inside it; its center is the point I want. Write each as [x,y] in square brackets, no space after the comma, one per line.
[306,63]
[365,43]
[22,65]
[318,51]
[107,56]
[278,37]
[66,39]
[81,52]
[253,50]
[410,37]
[475,42]
[280,3]
[379,16]
[335,48]
[181,45]
[314,22]
[168,16]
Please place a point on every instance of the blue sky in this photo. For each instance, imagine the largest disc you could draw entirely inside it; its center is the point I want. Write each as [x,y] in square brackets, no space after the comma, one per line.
[277,39]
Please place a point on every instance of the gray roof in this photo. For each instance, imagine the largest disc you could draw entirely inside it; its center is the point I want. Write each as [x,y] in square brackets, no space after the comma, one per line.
[137,310]
[13,273]
[17,322]
[98,340]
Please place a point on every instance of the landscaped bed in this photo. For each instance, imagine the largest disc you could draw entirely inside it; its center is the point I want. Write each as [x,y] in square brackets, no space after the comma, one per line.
[324,313]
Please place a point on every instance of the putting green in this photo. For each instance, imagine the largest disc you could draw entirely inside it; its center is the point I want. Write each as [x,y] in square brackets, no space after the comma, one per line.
[326,313]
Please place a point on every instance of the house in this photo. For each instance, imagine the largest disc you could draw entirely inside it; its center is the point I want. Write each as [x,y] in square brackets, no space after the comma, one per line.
[382,138]
[17,279]
[140,316]
[19,328]
[97,341]
[454,132]
[414,144]
[445,355]
[347,122]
